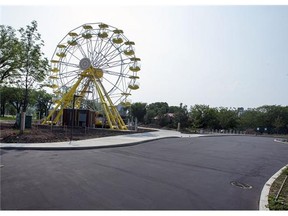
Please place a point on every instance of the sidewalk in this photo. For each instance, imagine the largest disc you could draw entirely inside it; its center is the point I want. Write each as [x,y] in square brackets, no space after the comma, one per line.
[112,141]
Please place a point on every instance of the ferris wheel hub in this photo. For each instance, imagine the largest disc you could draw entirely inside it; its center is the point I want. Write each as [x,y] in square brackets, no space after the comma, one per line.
[84,63]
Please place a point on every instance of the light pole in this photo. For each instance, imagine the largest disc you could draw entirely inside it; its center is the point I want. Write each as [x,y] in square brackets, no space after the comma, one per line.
[73,117]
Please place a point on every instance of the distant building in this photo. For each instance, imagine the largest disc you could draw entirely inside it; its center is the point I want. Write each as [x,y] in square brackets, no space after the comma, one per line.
[240,111]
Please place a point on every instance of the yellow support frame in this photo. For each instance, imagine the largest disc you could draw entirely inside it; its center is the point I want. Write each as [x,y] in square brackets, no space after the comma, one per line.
[113,117]
[67,98]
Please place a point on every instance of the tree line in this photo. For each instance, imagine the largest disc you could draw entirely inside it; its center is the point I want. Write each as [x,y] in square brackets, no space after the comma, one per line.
[265,119]
[12,100]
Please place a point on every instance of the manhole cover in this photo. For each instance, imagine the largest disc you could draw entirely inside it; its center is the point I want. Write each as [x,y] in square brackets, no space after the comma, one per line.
[241,185]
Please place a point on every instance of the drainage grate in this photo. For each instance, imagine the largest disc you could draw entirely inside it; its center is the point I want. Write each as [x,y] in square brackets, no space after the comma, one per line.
[241,185]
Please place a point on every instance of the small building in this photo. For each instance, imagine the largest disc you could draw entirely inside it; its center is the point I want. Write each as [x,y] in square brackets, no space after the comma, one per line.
[82,118]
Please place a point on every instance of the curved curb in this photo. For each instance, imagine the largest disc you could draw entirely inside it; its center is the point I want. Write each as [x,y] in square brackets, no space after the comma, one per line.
[263,203]
[55,148]
[281,140]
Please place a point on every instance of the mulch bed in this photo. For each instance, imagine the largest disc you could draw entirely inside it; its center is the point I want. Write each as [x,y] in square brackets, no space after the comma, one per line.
[46,133]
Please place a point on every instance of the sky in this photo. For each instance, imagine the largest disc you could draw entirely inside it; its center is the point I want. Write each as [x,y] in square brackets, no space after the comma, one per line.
[218,55]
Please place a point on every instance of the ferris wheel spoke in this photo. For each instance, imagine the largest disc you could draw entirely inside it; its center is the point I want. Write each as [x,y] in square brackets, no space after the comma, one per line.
[97,50]
[101,58]
[70,71]
[108,42]
[90,49]
[105,58]
[81,50]
[69,74]
[113,54]
[108,62]
[67,83]
[116,50]
[117,95]
[115,64]
[104,55]
[113,73]
[73,55]
[102,48]
[67,78]
[108,54]
[123,72]
[96,46]
[68,64]
[87,48]
[114,86]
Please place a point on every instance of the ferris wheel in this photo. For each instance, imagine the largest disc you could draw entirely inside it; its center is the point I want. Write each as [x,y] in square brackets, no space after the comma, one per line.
[97,63]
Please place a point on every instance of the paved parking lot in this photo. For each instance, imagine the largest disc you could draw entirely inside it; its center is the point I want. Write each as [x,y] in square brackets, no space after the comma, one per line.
[205,173]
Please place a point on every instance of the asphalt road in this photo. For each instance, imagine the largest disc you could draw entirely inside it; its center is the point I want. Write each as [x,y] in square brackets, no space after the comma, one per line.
[178,173]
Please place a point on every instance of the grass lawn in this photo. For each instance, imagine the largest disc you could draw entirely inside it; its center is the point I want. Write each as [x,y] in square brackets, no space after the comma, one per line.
[280,202]
[8,118]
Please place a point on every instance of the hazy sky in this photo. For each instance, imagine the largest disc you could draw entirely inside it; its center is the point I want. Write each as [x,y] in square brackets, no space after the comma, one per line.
[228,56]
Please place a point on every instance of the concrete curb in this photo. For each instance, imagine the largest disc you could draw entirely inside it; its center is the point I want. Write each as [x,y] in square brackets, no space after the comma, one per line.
[56,148]
[105,142]
[75,145]
[221,135]
[281,140]
[263,203]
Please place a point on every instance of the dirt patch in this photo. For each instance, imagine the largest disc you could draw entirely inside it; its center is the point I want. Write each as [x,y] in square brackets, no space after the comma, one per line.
[45,133]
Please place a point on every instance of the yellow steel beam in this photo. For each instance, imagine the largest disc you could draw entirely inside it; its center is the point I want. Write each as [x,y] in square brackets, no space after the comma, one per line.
[66,99]
[104,104]
[82,94]
[114,112]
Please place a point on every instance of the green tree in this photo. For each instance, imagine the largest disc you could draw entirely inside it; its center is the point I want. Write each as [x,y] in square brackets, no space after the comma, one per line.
[173,109]
[150,115]
[34,65]
[278,124]
[156,113]
[251,119]
[3,99]
[202,116]
[12,96]
[228,118]
[42,102]
[10,60]
[197,115]
[180,116]
[138,110]
[212,118]
[274,117]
